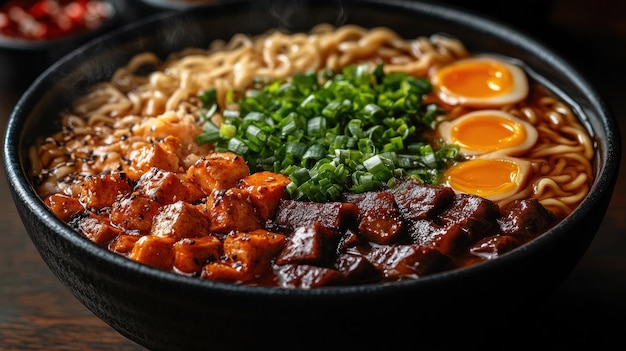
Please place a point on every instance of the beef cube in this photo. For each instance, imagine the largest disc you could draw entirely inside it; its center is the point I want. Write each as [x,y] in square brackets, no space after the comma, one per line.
[191,254]
[218,171]
[134,213]
[525,219]
[477,216]
[356,268]
[379,219]
[101,191]
[418,201]
[292,214]
[311,244]
[180,220]
[154,251]
[407,261]
[246,256]
[306,276]
[493,246]
[166,187]
[347,240]
[450,240]
[63,206]
[231,210]
[266,189]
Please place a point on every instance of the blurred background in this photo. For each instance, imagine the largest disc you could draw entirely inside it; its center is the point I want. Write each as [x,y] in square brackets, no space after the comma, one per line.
[38,313]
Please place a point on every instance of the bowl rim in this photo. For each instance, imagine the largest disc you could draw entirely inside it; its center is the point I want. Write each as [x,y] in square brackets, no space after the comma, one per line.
[602,187]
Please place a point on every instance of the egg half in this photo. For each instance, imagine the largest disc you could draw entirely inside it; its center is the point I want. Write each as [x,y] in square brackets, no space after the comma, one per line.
[489,131]
[491,178]
[480,81]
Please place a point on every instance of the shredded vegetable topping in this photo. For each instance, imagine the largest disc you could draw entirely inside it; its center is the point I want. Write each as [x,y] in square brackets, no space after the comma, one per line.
[356,130]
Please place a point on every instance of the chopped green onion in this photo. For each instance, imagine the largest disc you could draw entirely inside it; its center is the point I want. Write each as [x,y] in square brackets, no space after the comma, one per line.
[355,130]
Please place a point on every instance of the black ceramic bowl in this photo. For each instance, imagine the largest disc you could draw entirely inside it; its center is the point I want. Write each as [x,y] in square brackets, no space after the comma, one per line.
[165,311]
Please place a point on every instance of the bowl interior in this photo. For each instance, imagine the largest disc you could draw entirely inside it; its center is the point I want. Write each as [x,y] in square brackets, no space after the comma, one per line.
[167,33]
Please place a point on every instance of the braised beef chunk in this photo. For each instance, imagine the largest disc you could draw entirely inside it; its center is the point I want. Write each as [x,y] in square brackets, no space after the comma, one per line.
[451,239]
[306,276]
[476,215]
[494,246]
[419,201]
[293,214]
[356,269]
[407,261]
[525,219]
[349,239]
[379,218]
[310,244]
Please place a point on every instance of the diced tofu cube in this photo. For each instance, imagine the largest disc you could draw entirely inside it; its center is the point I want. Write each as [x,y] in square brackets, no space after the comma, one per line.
[167,187]
[154,251]
[123,243]
[101,191]
[151,155]
[217,171]
[266,189]
[231,210]
[191,254]
[180,220]
[63,206]
[98,229]
[246,256]
[134,213]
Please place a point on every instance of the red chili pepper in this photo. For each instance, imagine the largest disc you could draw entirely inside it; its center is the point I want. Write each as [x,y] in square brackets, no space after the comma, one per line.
[51,19]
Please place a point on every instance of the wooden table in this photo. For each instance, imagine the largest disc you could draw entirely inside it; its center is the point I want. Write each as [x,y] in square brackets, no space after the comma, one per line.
[38,313]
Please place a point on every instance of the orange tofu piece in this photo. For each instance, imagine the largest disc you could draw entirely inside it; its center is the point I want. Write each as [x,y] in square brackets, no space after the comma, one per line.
[63,206]
[167,187]
[134,213]
[191,254]
[98,229]
[232,210]
[266,189]
[101,191]
[154,251]
[194,192]
[218,170]
[180,220]
[152,155]
[123,243]
[247,256]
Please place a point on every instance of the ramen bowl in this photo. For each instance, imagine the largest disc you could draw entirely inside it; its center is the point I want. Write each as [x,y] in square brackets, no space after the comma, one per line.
[162,310]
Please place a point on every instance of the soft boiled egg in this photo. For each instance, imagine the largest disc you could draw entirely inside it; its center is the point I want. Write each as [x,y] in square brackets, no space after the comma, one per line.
[491,178]
[489,131]
[480,81]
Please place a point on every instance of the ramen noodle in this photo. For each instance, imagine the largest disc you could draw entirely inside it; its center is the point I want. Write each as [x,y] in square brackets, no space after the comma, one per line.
[109,128]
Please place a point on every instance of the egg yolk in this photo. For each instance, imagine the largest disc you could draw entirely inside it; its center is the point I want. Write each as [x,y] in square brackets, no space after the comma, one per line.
[493,179]
[482,79]
[488,132]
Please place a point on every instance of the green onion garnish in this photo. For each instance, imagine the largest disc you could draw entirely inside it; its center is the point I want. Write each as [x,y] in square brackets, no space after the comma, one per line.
[355,130]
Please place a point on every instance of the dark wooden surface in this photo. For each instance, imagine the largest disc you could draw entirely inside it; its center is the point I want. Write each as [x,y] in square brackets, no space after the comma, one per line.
[589,308]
